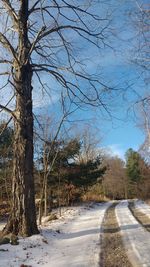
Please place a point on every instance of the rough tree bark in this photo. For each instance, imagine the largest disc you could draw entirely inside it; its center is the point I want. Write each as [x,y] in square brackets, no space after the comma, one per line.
[23,216]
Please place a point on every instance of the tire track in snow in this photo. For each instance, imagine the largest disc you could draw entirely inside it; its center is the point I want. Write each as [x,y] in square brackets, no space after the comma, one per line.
[112,249]
[136,238]
[143,207]
[140,216]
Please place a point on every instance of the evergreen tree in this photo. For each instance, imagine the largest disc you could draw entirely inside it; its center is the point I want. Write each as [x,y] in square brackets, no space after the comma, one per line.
[68,171]
[138,174]
[132,165]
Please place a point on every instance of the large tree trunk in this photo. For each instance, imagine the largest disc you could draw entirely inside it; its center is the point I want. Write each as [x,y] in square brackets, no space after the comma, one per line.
[23,215]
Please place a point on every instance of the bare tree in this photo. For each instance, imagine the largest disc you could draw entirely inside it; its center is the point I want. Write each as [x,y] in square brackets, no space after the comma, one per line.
[48,143]
[115,182]
[143,118]
[40,37]
[141,19]
[90,144]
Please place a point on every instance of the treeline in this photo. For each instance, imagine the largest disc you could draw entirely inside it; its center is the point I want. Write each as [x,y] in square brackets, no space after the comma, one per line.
[127,179]
[64,169]
[69,170]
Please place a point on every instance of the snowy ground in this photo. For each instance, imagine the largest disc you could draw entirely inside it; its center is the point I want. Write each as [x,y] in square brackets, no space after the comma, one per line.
[135,237]
[74,239]
[71,241]
[143,207]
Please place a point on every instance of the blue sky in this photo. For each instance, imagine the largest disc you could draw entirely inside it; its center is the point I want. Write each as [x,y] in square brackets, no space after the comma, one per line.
[118,131]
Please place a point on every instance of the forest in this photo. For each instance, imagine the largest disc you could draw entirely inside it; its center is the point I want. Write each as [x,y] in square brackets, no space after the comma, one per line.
[68,69]
[71,171]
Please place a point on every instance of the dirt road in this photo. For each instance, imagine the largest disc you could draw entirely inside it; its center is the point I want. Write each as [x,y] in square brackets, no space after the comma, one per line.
[136,238]
[113,234]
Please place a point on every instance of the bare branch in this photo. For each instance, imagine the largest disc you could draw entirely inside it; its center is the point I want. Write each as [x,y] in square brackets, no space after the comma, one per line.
[6,109]
[4,73]
[34,6]
[5,61]
[11,10]
[6,44]
[63,27]
[34,44]
[12,113]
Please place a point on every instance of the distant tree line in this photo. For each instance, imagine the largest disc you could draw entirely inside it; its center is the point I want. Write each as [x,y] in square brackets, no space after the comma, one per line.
[67,171]
[130,179]
[64,170]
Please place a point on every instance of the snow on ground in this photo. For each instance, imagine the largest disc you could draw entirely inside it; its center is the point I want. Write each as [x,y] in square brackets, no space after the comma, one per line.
[71,241]
[143,207]
[136,238]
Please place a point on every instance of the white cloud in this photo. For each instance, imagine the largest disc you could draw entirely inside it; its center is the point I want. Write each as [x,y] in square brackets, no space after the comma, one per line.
[115,150]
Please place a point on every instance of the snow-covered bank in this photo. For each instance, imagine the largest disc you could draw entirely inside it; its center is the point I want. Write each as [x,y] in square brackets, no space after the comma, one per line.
[71,241]
[135,237]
